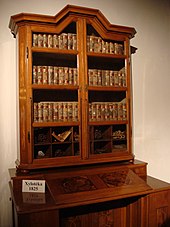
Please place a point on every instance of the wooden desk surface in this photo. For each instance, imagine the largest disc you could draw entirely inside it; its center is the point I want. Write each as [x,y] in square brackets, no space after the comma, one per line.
[121,194]
[81,186]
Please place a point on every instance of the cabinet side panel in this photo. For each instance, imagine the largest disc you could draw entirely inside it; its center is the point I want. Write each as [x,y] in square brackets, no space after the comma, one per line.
[159,209]
[23,93]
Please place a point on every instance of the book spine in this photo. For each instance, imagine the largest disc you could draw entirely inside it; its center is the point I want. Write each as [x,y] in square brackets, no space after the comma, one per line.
[65,41]
[35,75]
[65,111]
[75,76]
[40,40]
[55,111]
[50,41]
[45,40]
[70,76]
[40,74]
[75,111]
[45,73]
[50,112]
[35,40]
[65,72]
[55,41]
[50,70]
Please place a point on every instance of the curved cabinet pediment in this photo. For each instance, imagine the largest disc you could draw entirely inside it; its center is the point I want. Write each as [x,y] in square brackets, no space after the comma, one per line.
[68,14]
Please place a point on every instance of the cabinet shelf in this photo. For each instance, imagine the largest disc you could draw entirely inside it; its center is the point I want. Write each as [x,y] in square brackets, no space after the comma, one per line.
[107,123]
[54,87]
[54,124]
[104,55]
[106,88]
[42,144]
[100,140]
[53,51]
[67,142]
[119,140]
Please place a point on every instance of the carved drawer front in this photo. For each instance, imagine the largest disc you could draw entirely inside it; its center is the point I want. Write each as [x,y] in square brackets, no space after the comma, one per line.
[110,214]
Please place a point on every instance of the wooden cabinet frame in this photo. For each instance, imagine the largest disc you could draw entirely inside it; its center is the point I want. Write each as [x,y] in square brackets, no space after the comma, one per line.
[85,23]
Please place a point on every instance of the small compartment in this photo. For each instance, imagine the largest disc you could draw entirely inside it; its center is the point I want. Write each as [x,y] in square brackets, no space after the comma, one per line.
[100,139]
[102,147]
[62,135]
[76,149]
[65,141]
[62,149]
[118,146]
[100,133]
[76,135]
[119,132]
[42,151]
[42,136]
[119,137]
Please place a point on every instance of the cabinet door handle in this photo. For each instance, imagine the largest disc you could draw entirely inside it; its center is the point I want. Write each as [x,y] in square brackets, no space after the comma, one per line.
[29,137]
[27,53]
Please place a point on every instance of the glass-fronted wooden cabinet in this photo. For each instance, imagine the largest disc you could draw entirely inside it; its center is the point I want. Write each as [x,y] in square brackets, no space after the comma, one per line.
[74,89]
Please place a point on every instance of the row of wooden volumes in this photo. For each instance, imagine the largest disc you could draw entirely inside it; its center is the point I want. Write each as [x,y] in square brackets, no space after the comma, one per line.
[62,41]
[68,111]
[98,77]
[55,75]
[55,111]
[99,111]
[98,45]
